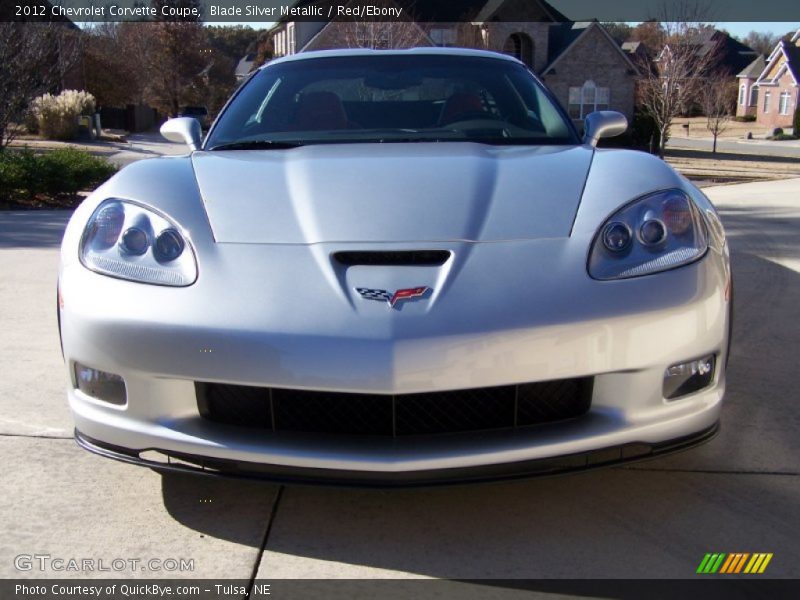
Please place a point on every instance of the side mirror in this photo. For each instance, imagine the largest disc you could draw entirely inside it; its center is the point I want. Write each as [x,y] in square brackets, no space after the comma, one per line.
[183,129]
[603,124]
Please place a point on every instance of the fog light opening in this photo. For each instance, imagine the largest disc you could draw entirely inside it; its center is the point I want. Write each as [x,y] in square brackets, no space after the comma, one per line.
[689,377]
[107,387]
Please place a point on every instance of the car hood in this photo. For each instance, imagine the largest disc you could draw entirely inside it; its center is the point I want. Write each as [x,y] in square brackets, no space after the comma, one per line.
[396,192]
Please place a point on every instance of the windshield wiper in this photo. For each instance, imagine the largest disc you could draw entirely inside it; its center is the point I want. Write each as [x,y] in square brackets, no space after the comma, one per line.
[258,145]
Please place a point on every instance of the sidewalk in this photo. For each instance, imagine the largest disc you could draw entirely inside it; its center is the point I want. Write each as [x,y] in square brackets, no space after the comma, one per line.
[760,140]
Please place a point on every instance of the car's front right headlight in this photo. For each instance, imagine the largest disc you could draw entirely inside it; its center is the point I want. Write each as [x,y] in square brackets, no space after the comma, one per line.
[655,233]
[125,240]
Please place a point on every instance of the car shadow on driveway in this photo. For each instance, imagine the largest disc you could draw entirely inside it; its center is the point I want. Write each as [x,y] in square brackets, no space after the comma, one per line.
[611,523]
[210,505]
[33,228]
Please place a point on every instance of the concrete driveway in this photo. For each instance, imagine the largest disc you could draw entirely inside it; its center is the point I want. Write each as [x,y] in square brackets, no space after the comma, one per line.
[137,146]
[739,493]
[140,146]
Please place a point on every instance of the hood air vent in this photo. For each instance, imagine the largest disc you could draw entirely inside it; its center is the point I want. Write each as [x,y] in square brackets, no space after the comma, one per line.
[396,258]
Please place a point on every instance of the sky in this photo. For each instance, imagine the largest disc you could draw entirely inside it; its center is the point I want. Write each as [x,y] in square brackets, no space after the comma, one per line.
[740,29]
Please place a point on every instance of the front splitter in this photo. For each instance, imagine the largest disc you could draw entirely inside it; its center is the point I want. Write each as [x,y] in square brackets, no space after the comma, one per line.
[571,463]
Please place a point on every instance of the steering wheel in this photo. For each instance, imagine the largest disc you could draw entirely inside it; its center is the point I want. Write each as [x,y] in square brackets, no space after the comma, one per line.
[473,115]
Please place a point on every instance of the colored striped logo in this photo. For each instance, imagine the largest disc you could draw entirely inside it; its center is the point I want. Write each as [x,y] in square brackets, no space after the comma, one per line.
[738,562]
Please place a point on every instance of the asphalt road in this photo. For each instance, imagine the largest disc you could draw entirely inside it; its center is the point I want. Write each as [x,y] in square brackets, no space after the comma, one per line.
[738,493]
[755,148]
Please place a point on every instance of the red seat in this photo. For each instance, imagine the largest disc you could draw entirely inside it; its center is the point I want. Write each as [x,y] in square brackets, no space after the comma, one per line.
[461,103]
[319,111]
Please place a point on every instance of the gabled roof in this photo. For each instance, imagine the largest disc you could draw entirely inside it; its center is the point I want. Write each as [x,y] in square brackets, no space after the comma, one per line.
[732,56]
[631,47]
[735,55]
[245,65]
[562,36]
[791,61]
[490,8]
[565,35]
[754,69]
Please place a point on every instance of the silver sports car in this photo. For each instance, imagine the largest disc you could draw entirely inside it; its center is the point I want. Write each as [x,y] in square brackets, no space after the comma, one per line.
[394,267]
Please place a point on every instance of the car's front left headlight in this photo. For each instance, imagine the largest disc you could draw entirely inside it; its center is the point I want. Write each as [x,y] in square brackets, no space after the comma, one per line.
[655,233]
[125,240]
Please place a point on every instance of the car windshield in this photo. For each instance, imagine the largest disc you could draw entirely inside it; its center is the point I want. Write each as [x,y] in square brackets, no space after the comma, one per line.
[391,98]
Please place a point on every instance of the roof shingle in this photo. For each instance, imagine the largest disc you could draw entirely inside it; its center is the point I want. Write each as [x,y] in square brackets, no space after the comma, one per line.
[754,69]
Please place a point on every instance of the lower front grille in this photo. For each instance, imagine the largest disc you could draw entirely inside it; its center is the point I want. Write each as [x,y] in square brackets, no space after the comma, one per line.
[429,413]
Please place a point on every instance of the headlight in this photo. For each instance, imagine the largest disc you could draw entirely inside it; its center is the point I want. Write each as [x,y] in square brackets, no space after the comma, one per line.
[129,241]
[655,233]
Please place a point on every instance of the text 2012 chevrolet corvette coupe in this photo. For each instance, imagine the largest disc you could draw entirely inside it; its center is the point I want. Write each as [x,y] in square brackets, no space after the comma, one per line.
[394,267]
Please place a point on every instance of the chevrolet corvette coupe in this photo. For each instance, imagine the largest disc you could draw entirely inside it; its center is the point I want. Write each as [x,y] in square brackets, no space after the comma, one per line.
[394,268]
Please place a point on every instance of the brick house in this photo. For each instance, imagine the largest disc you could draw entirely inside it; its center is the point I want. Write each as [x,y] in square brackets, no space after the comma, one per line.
[747,96]
[777,86]
[586,69]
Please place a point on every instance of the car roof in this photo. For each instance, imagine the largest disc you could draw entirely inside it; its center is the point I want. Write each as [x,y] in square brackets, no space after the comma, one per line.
[423,51]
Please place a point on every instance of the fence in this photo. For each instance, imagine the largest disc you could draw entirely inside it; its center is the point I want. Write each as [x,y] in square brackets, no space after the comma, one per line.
[132,118]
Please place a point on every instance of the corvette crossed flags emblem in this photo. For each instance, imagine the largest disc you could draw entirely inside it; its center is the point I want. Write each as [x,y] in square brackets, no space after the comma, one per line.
[393,298]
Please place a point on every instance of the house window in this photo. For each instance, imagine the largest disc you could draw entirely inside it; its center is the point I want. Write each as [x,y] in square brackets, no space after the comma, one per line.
[587,98]
[290,38]
[742,94]
[783,104]
[520,46]
[443,37]
[766,102]
[753,96]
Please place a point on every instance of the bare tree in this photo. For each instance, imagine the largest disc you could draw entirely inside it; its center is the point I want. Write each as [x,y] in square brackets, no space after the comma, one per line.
[176,66]
[381,35]
[34,59]
[136,43]
[719,96]
[620,32]
[648,33]
[264,49]
[675,80]
[104,57]
[761,42]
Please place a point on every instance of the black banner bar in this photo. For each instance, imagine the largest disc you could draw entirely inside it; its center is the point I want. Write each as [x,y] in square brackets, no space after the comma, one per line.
[705,587]
[400,10]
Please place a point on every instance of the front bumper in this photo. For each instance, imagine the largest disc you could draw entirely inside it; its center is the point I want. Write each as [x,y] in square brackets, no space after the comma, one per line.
[469,334]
